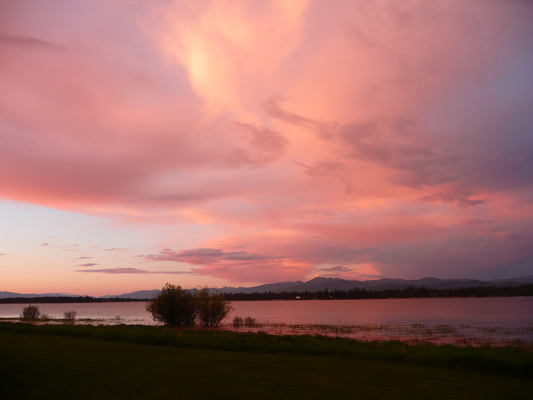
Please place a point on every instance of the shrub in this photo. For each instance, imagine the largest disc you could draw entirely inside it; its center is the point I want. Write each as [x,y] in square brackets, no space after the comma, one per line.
[249,321]
[70,315]
[45,317]
[30,312]
[212,309]
[178,307]
[174,306]
[238,321]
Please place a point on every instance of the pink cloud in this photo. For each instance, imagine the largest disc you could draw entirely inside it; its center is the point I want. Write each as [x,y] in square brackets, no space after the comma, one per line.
[130,271]
[239,266]
[26,42]
[461,197]
[205,256]
[371,138]
[265,145]
[360,272]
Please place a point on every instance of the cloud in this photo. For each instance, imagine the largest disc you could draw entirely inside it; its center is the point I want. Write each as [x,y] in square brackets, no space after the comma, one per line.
[87,265]
[378,142]
[27,42]
[477,221]
[510,236]
[131,271]
[338,268]
[239,266]
[45,244]
[326,168]
[460,197]
[301,134]
[83,258]
[264,145]
[357,271]
[273,108]
[203,256]
[239,40]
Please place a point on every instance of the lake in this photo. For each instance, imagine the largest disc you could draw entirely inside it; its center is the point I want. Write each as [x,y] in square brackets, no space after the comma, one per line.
[468,320]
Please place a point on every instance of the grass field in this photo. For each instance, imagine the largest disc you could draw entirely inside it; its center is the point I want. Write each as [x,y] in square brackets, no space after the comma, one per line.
[152,362]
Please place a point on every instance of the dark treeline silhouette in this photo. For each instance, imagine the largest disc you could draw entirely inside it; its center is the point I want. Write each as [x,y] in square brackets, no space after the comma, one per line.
[351,294]
[409,292]
[65,299]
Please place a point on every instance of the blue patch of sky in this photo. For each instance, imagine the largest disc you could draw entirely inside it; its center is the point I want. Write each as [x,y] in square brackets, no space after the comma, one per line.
[24,227]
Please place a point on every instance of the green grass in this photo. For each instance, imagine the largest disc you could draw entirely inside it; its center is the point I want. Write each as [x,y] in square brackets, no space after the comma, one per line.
[151,362]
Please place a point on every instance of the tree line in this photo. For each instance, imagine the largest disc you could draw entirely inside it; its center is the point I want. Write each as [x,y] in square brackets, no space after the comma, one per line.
[351,294]
[408,292]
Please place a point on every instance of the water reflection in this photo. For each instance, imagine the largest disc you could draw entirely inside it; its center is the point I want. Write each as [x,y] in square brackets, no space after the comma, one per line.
[442,320]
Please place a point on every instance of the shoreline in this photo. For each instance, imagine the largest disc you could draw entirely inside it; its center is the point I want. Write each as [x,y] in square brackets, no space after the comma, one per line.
[413,334]
[45,300]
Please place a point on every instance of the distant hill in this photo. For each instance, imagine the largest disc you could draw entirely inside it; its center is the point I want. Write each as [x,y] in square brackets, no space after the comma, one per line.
[7,295]
[139,294]
[320,283]
[269,287]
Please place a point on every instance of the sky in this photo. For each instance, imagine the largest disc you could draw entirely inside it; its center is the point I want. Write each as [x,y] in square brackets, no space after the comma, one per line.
[215,143]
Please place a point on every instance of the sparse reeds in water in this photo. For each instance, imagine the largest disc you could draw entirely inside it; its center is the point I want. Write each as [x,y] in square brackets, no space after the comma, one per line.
[505,331]
[70,316]
[30,312]
[420,329]
[446,329]
[45,317]
[440,334]
[326,328]
[419,333]
[247,322]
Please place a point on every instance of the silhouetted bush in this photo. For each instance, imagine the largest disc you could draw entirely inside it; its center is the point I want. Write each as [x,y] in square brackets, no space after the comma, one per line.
[249,321]
[178,307]
[238,321]
[30,312]
[212,308]
[70,315]
[174,306]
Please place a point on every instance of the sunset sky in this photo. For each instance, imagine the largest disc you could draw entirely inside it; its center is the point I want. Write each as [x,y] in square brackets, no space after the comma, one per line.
[247,142]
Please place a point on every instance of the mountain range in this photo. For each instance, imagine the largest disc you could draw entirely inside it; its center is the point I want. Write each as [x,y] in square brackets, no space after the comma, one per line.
[320,283]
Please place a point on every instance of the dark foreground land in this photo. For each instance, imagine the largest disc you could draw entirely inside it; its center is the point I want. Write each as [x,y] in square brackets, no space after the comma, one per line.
[138,362]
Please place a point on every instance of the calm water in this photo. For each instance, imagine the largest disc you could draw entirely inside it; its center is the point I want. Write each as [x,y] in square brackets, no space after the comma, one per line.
[493,319]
